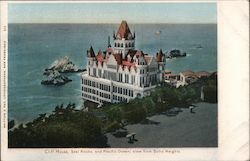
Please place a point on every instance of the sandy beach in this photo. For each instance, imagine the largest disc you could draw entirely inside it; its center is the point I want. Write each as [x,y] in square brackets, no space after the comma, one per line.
[186,129]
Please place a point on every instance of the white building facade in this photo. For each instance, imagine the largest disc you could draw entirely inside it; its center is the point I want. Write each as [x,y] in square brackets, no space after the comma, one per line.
[121,73]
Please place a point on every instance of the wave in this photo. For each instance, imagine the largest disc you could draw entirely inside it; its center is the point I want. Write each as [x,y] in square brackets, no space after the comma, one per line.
[31,72]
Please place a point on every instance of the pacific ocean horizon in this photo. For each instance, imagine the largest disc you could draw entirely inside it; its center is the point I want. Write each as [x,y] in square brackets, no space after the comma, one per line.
[33,47]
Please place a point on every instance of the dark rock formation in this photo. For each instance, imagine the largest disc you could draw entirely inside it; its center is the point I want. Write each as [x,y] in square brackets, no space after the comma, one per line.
[53,73]
[55,78]
[11,124]
[176,53]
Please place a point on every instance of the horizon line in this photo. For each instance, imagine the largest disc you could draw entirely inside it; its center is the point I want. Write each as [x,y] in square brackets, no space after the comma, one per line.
[110,23]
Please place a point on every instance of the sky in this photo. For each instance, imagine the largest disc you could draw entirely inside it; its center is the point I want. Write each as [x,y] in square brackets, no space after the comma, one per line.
[112,12]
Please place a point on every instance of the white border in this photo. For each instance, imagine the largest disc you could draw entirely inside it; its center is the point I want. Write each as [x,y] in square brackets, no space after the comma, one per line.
[233,72]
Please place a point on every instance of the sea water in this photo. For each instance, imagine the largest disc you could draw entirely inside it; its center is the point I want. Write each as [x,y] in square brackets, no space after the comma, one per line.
[34,47]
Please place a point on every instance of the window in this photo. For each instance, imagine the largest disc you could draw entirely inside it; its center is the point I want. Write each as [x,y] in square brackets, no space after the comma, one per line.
[132,79]
[99,73]
[126,78]
[94,72]
[120,77]
[121,45]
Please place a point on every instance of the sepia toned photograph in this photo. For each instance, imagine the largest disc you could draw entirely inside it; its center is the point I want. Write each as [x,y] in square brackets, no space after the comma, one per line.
[112,75]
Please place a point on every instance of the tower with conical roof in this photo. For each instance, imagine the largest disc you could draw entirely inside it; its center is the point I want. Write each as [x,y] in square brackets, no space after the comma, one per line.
[91,58]
[124,40]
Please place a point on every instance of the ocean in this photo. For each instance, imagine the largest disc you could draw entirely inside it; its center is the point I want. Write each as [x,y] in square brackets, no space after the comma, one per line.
[34,47]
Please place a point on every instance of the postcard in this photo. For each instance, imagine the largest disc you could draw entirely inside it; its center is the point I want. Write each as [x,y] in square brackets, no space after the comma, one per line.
[124,80]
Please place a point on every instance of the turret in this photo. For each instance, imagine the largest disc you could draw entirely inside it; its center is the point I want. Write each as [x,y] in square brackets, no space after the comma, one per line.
[160,57]
[91,57]
[123,40]
[90,52]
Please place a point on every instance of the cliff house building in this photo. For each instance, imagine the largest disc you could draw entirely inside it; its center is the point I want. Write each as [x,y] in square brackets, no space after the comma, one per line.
[121,73]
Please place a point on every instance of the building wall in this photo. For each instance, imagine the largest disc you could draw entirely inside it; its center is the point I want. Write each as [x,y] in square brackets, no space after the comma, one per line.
[101,90]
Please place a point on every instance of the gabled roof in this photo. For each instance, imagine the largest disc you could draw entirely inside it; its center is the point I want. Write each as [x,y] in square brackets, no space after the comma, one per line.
[110,50]
[139,53]
[118,58]
[148,59]
[100,56]
[131,53]
[128,63]
[124,31]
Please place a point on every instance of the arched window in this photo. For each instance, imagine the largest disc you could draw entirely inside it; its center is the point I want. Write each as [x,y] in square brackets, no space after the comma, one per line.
[118,44]
[121,45]
[115,44]
[133,44]
[129,45]
[126,45]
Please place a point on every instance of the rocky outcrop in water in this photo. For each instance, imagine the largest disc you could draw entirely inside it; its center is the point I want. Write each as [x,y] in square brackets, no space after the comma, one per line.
[55,72]
[175,53]
[63,65]
[55,78]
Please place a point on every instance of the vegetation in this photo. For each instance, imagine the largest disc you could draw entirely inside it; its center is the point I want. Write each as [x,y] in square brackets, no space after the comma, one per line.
[68,127]
[163,98]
